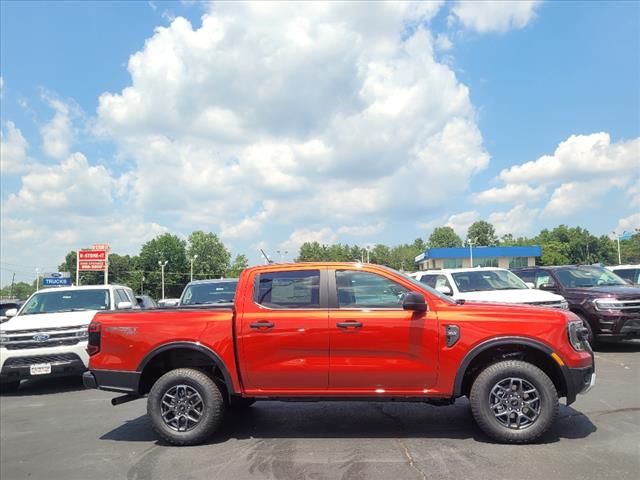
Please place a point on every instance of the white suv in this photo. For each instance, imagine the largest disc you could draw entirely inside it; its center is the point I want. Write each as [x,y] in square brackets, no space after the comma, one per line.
[495,285]
[48,336]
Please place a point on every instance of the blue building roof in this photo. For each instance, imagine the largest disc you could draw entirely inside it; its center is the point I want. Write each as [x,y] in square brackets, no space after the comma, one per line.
[480,252]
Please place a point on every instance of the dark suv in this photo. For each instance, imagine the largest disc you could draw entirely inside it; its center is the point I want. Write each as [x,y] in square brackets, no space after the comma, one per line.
[608,306]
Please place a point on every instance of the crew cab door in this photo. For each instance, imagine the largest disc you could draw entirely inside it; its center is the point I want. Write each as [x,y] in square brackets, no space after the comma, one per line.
[376,345]
[283,337]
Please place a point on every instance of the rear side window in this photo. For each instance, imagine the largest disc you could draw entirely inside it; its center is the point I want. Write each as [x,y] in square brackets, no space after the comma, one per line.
[288,290]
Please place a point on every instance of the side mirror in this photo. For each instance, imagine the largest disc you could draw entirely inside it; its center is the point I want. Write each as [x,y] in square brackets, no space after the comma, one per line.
[12,312]
[414,301]
[444,289]
[547,286]
[530,284]
[124,306]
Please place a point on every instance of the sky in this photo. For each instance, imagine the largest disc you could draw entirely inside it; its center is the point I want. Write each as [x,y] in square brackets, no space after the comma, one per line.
[276,124]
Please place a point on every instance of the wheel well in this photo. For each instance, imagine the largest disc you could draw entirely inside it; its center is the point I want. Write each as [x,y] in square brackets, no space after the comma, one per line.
[179,357]
[525,353]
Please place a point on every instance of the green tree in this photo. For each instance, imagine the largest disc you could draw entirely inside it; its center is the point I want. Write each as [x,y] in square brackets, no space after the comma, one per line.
[20,290]
[482,234]
[169,248]
[213,259]
[630,249]
[312,252]
[239,264]
[578,246]
[444,237]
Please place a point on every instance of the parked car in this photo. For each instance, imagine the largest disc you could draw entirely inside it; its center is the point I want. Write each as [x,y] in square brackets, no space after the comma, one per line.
[48,336]
[487,285]
[202,292]
[168,302]
[145,302]
[608,305]
[328,331]
[630,273]
[6,305]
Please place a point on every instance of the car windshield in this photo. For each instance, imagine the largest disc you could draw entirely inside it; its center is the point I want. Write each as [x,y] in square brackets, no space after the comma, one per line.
[422,286]
[67,301]
[484,280]
[210,292]
[578,277]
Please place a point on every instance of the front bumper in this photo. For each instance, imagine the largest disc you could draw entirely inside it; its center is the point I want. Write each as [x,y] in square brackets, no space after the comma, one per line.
[12,371]
[579,380]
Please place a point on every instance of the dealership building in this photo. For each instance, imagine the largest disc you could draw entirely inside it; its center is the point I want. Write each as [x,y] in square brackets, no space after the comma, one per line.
[503,257]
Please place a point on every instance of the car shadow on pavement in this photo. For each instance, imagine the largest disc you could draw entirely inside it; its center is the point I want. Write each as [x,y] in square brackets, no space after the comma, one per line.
[627,346]
[47,386]
[274,419]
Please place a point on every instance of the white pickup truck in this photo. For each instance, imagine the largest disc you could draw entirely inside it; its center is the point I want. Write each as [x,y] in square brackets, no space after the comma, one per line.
[48,335]
[487,284]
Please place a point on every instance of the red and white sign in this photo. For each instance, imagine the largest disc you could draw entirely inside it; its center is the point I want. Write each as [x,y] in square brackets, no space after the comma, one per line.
[101,246]
[92,260]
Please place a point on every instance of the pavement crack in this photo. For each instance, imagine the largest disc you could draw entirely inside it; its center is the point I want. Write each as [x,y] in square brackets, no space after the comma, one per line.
[410,461]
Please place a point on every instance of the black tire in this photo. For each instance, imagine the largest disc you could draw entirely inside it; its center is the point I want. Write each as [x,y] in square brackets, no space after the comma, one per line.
[593,341]
[212,406]
[486,417]
[236,402]
[9,387]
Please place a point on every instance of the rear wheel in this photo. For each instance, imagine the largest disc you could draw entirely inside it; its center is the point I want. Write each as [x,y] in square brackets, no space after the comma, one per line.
[514,401]
[185,406]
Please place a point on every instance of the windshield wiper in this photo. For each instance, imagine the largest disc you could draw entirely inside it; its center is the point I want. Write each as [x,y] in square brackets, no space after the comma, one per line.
[71,310]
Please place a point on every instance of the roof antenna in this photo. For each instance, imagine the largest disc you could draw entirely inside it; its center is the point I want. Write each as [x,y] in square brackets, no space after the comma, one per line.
[266,257]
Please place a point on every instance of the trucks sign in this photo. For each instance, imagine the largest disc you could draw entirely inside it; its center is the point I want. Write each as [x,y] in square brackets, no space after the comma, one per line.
[56,279]
[92,260]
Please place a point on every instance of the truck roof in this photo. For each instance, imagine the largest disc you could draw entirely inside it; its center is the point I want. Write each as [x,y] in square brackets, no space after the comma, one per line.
[81,287]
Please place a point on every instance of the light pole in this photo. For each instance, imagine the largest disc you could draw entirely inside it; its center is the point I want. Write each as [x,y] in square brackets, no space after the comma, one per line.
[37,279]
[470,243]
[162,265]
[619,256]
[141,283]
[193,260]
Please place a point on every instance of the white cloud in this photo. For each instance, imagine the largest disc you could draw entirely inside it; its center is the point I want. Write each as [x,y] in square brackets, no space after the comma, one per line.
[323,235]
[628,224]
[510,193]
[518,220]
[360,230]
[460,222]
[330,112]
[443,42]
[58,134]
[13,150]
[572,197]
[495,16]
[580,156]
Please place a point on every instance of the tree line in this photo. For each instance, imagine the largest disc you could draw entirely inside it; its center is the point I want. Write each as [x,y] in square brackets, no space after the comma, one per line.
[211,259]
[561,245]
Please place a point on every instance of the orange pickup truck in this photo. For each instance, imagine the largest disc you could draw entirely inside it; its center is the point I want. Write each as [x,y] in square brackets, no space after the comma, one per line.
[328,331]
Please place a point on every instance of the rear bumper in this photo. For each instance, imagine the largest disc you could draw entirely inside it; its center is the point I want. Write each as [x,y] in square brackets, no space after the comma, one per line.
[112,380]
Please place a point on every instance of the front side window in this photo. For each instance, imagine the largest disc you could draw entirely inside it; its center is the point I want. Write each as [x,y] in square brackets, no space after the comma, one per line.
[368,290]
[67,301]
[631,275]
[436,281]
[544,278]
[484,280]
[289,290]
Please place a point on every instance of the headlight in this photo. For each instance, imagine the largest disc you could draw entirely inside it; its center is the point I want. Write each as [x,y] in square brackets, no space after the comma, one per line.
[607,304]
[578,334]
[564,305]
[84,333]
[4,339]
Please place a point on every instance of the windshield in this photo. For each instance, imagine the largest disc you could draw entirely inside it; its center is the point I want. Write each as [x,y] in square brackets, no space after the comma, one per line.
[577,277]
[422,286]
[66,301]
[213,292]
[485,280]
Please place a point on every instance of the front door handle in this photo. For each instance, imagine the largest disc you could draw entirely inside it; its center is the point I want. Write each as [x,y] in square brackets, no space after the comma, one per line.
[262,325]
[349,324]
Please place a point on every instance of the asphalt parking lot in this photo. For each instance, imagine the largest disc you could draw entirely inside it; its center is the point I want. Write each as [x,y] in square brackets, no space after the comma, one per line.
[55,429]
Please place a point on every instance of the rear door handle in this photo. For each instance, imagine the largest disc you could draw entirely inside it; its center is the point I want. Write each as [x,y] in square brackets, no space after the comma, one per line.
[262,325]
[349,324]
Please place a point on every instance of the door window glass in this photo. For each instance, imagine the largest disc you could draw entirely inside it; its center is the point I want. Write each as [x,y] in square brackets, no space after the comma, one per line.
[368,290]
[544,277]
[297,289]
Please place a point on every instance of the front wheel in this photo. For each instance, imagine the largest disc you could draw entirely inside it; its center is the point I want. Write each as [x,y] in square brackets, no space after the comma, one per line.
[185,406]
[514,401]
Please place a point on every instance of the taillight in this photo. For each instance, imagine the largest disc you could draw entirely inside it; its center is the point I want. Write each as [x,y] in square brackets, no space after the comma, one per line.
[93,346]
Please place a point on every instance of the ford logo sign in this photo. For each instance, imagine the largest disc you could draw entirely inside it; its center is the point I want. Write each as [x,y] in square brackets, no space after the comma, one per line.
[41,337]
